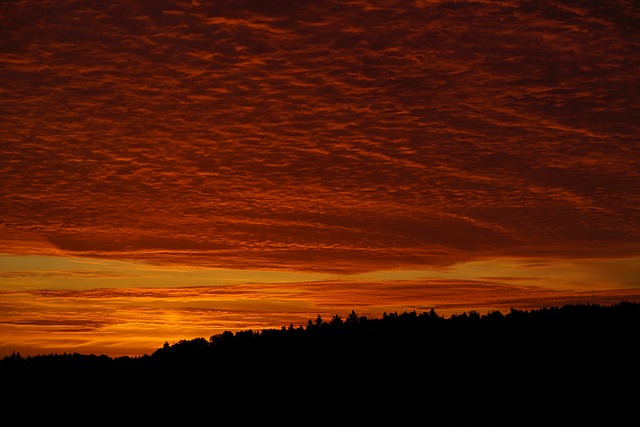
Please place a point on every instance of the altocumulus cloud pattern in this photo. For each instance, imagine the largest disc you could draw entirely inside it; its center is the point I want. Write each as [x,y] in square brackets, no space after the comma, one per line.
[327,136]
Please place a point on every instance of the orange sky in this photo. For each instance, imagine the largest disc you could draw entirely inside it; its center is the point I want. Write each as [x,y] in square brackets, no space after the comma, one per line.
[171,169]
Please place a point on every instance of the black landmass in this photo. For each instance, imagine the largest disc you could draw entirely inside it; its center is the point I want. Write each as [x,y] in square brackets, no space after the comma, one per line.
[575,365]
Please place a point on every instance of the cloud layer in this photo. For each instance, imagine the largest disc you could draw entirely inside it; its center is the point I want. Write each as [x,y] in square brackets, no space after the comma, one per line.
[330,136]
[135,321]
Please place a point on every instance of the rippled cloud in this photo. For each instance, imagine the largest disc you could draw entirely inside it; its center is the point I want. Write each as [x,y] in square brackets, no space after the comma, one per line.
[326,136]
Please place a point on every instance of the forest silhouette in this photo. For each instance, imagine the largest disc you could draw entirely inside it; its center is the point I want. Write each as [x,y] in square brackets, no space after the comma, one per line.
[570,365]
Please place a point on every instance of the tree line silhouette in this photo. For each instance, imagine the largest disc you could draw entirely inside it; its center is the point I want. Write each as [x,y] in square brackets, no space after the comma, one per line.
[569,365]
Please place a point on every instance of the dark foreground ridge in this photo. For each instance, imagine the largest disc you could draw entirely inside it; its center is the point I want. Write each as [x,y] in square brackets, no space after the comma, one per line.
[575,365]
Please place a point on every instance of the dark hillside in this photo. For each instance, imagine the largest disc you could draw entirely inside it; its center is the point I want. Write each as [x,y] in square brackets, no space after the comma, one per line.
[573,365]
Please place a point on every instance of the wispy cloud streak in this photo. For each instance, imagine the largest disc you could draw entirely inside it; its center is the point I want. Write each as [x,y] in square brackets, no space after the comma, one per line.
[134,321]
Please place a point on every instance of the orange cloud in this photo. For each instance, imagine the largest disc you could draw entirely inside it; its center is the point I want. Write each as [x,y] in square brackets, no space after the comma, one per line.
[335,136]
[132,321]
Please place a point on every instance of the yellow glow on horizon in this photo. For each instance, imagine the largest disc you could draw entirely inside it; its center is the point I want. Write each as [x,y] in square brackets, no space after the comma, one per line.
[55,304]
[578,274]
[53,272]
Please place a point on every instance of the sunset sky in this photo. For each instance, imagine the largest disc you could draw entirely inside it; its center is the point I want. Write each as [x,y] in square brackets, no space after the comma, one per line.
[174,169]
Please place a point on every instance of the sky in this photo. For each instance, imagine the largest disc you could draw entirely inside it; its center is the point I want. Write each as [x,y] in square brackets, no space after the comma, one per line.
[173,169]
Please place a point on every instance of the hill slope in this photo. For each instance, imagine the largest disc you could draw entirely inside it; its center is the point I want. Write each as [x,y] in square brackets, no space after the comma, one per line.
[573,365]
